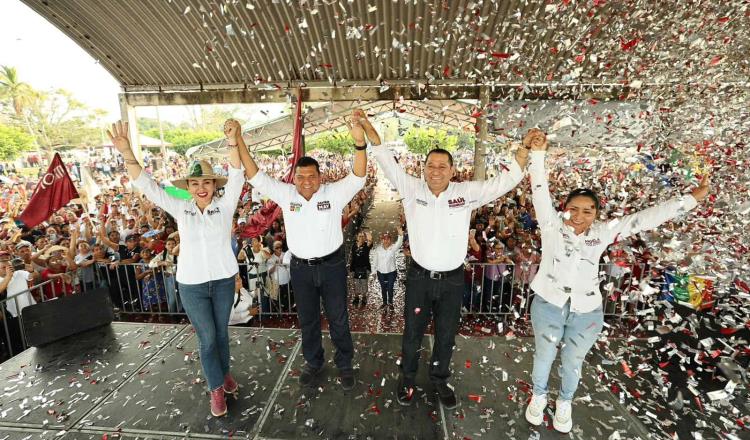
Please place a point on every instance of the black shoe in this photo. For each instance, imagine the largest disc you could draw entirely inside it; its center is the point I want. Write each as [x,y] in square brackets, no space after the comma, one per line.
[405,393]
[308,375]
[446,395]
[356,301]
[347,379]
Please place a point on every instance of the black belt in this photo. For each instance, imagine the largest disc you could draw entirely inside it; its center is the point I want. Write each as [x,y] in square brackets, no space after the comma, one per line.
[317,260]
[434,274]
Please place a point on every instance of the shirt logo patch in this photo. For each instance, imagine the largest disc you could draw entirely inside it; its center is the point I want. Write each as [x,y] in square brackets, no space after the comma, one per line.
[324,205]
[593,242]
[295,207]
[190,212]
[456,203]
[213,211]
[421,202]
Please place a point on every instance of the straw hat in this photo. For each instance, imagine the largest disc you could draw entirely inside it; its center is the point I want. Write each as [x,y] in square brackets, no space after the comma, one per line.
[200,169]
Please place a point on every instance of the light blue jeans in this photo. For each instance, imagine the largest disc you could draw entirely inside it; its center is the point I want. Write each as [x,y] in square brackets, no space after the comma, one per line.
[577,332]
[208,305]
[173,305]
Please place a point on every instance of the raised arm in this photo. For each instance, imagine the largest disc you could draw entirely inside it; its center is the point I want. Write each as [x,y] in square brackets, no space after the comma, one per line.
[120,138]
[652,217]
[540,197]
[357,131]
[233,133]
[405,184]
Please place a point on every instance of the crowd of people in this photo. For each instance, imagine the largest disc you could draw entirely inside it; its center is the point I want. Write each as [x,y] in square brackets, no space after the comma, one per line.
[130,244]
[126,244]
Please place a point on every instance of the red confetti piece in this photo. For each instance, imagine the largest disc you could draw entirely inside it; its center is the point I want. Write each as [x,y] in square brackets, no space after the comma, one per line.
[628,45]
[503,55]
[716,60]
[475,398]
[468,363]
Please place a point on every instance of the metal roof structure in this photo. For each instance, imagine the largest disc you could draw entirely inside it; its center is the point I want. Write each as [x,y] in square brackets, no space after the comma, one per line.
[277,133]
[212,51]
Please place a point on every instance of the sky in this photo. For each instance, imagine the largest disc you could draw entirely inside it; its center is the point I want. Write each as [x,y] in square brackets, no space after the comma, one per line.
[47,59]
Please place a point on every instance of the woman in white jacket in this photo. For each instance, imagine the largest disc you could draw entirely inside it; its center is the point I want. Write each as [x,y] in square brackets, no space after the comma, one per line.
[567,306]
[384,263]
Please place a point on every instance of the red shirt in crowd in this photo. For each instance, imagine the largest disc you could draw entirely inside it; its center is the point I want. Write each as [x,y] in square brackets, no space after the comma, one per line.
[57,287]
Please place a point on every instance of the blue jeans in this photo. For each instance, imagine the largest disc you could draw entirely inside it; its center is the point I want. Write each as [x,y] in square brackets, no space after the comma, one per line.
[173,304]
[387,281]
[577,331]
[208,305]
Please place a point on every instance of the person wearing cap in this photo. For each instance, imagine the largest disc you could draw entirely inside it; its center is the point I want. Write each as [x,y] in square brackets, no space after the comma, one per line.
[207,266]
[312,215]
[567,305]
[438,213]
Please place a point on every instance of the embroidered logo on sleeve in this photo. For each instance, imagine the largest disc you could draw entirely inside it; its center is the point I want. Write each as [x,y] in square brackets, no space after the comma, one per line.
[456,203]
[295,207]
[324,205]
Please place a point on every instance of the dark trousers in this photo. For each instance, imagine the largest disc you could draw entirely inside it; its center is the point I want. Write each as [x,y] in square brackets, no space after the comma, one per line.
[441,301]
[310,283]
[387,281]
[14,334]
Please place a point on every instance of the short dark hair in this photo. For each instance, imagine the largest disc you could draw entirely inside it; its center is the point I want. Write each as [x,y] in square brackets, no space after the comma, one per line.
[583,192]
[440,151]
[307,161]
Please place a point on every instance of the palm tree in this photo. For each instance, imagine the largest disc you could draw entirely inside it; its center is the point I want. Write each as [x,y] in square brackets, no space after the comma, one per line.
[20,95]
[17,92]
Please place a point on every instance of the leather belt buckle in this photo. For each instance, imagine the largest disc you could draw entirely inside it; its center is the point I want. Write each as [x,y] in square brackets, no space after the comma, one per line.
[436,275]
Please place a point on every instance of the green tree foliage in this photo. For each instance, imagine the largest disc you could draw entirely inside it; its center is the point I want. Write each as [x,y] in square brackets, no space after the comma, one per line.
[13,141]
[421,140]
[58,120]
[339,142]
[182,139]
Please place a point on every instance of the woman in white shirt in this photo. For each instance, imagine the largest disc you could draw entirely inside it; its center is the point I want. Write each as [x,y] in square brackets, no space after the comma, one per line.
[207,265]
[384,262]
[567,306]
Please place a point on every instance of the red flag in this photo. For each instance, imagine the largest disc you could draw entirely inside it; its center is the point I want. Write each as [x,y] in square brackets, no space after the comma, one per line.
[262,220]
[54,190]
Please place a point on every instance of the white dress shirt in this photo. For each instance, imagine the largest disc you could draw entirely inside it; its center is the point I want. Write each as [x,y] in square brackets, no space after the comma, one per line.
[18,283]
[384,260]
[439,226]
[570,263]
[313,227]
[205,237]
[278,270]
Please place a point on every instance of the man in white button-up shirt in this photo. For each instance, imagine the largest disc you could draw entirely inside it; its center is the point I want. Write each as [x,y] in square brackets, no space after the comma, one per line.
[437,215]
[567,306]
[312,215]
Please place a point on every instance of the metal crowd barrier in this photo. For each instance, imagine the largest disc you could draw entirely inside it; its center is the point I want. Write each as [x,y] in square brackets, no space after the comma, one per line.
[501,292]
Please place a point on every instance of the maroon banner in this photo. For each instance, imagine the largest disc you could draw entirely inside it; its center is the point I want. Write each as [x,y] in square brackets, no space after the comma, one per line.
[54,190]
[264,218]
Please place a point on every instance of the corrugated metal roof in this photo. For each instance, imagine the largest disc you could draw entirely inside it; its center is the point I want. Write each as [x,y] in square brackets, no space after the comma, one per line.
[152,44]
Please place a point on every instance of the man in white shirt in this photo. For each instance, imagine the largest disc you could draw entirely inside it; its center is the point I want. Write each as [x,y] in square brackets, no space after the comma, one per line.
[384,263]
[437,215]
[312,214]
[12,283]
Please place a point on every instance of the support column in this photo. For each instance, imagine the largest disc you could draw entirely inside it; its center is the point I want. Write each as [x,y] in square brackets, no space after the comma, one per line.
[480,144]
[127,114]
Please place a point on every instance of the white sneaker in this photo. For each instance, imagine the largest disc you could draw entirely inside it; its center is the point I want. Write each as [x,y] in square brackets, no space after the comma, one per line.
[535,410]
[563,421]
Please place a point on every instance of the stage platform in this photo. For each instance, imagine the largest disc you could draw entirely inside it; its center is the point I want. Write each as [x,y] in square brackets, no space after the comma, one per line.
[144,381]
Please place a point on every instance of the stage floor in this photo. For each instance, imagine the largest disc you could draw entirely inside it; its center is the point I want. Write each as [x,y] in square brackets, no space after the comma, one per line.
[144,381]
